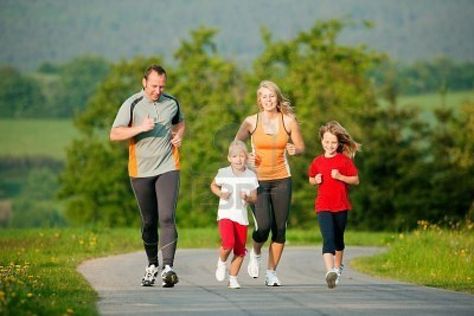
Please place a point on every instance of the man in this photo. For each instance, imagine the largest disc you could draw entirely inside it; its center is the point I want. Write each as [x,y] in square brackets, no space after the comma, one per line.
[153,123]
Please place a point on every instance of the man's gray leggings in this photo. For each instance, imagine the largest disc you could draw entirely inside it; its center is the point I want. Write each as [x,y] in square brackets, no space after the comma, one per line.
[157,197]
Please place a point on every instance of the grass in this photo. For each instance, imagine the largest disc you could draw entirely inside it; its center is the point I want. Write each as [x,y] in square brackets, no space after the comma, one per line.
[36,137]
[428,256]
[430,101]
[426,103]
[38,266]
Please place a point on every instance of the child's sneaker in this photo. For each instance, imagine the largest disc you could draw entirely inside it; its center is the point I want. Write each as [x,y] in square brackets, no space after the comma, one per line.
[151,272]
[331,277]
[254,264]
[221,270]
[233,283]
[169,277]
[271,278]
[339,273]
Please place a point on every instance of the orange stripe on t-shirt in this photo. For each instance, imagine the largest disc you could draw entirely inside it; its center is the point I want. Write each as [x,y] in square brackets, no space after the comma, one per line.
[132,159]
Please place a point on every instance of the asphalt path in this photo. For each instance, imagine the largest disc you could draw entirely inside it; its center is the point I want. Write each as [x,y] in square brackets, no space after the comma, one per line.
[303,290]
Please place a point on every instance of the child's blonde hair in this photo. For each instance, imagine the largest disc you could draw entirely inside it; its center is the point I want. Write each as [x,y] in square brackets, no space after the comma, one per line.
[237,145]
[347,145]
[283,104]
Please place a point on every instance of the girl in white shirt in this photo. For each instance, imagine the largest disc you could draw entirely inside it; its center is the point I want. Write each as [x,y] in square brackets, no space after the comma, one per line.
[236,186]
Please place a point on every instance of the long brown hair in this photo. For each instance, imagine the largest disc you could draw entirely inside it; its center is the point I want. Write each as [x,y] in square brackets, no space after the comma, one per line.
[347,145]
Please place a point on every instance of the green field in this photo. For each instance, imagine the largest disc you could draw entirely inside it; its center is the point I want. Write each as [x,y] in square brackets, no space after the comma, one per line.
[428,102]
[35,137]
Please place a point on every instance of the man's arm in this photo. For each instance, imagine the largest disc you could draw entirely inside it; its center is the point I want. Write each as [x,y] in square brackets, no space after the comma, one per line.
[178,133]
[123,133]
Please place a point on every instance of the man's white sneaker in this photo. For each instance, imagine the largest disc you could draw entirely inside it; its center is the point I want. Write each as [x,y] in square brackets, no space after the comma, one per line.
[151,272]
[271,279]
[233,283]
[331,277]
[168,276]
[339,273]
[253,267]
[221,270]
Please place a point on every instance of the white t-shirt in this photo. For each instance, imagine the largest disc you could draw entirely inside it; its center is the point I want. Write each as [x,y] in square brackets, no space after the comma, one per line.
[235,208]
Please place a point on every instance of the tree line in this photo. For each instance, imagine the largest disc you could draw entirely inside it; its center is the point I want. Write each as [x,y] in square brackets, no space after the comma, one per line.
[53,91]
[409,170]
[63,90]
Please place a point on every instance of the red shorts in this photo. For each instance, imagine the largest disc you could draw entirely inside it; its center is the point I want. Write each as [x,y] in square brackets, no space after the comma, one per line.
[233,236]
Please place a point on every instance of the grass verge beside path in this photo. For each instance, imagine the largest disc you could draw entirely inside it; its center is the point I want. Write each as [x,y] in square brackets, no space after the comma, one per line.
[38,268]
[429,256]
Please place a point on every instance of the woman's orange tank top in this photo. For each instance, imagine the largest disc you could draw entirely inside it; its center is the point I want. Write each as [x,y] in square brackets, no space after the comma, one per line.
[270,152]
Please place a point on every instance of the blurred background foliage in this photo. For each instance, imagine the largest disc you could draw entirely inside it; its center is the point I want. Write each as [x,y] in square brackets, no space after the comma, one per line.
[411,168]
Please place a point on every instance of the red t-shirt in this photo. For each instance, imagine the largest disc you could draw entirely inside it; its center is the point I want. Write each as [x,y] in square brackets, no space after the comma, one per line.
[333,195]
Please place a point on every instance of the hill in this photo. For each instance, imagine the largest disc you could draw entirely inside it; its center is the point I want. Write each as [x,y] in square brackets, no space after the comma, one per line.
[32,32]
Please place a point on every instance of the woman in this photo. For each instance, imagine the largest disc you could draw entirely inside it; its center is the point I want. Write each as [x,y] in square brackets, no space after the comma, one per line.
[270,131]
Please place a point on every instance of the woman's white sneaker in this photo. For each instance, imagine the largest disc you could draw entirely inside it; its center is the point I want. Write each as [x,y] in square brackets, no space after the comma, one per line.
[339,273]
[271,279]
[331,277]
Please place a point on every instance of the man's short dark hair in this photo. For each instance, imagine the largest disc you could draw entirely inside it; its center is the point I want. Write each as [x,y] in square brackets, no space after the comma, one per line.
[159,70]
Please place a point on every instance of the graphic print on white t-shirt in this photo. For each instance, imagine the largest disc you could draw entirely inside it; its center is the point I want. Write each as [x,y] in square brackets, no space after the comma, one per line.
[235,208]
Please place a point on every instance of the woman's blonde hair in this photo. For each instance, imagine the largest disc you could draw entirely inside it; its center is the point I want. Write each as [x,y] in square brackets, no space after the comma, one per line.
[347,145]
[283,104]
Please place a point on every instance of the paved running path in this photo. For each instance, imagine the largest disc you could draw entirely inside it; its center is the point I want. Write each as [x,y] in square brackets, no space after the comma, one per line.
[304,291]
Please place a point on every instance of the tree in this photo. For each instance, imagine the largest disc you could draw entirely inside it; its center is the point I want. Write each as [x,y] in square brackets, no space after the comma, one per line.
[210,91]
[451,165]
[76,83]
[35,206]
[20,95]
[393,193]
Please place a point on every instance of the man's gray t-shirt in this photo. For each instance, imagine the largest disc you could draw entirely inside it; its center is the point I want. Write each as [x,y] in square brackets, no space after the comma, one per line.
[151,153]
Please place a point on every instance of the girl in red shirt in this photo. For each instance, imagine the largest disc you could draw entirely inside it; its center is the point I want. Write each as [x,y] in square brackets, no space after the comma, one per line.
[333,172]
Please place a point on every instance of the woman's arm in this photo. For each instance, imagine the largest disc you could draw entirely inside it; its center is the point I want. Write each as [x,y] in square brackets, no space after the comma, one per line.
[247,126]
[296,146]
[251,197]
